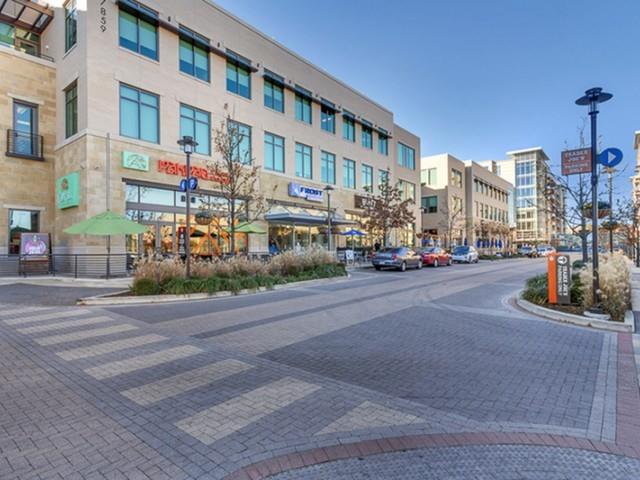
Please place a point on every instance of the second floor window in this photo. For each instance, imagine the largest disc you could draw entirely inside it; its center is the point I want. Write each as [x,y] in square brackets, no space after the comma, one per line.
[194,56]
[383,177]
[238,75]
[367,137]
[407,190]
[406,156]
[429,176]
[273,93]
[328,118]
[273,152]
[196,123]
[70,24]
[304,161]
[367,178]
[348,173]
[348,128]
[241,141]
[430,204]
[303,105]
[328,168]
[71,110]
[456,178]
[383,144]
[139,32]
[139,114]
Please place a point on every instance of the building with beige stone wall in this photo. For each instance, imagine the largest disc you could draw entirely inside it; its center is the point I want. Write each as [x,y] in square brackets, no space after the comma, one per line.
[464,202]
[635,179]
[109,90]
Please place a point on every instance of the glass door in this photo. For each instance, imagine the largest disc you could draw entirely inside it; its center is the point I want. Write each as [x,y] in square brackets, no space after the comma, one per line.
[25,126]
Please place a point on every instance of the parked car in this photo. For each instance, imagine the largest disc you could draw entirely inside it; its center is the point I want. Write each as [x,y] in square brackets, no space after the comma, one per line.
[528,251]
[466,254]
[544,250]
[400,258]
[435,256]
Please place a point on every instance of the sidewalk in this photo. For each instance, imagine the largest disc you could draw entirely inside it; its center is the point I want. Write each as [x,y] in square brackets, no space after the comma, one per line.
[120,283]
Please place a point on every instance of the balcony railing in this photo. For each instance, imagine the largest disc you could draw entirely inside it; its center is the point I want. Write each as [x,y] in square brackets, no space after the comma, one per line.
[24,145]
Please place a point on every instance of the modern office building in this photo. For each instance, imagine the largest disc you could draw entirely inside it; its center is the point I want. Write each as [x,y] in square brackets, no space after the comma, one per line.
[635,179]
[95,95]
[464,202]
[539,201]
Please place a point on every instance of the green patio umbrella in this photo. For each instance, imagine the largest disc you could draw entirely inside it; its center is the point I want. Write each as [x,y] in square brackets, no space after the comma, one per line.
[247,228]
[106,223]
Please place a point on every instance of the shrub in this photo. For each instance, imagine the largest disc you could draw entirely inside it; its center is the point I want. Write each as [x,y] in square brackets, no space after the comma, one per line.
[615,285]
[159,270]
[537,290]
[145,286]
[578,264]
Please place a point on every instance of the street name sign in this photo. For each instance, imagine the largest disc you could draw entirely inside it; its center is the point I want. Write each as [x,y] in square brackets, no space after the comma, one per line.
[576,161]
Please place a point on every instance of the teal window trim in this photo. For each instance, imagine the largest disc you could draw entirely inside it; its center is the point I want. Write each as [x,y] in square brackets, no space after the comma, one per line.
[196,123]
[144,24]
[71,110]
[328,168]
[304,161]
[242,150]
[193,54]
[70,25]
[139,106]
[273,92]
[348,173]
[273,152]
[367,177]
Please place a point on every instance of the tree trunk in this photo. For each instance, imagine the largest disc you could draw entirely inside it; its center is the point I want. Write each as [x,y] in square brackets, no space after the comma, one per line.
[232,228]
[583,240]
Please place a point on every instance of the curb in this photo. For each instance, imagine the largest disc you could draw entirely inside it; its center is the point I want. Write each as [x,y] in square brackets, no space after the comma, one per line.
[625,327]
[113,299]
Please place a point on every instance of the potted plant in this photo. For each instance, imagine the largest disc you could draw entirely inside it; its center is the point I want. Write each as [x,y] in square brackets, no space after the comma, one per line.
[204,217]
[604,209]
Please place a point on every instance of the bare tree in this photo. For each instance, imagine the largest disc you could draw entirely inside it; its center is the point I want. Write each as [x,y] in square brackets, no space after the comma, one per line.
[453,219]
[233,169]
[628,227]
[387,210]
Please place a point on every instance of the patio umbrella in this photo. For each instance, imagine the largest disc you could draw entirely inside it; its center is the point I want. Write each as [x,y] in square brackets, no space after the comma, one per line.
[247,228]
[106,223]
[353,233]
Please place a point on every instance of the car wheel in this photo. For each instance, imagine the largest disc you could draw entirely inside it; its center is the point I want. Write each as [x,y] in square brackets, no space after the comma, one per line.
[419,264]
[403,267]
[477,260]
[377,267]
[435,263]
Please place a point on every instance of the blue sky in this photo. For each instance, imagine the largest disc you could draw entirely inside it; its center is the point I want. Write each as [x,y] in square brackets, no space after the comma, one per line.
[475,78]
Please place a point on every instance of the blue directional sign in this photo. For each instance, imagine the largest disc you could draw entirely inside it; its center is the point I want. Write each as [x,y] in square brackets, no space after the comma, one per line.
[183,185]
[193,183]
[610,157]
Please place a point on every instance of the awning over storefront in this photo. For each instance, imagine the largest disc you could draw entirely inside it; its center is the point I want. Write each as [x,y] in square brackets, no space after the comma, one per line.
[303,216]
[26,14]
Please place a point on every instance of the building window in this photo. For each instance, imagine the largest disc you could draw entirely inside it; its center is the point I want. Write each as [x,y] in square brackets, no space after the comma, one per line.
[303,105]
[456,178]
[70,25]
[194,54]
[457,205]
[71,110]
[241,141]
[383,177]
[273,92]
[348,127]
[328,168]
[21,221]
[238,75]
[406,156]
[139,30]
[20,39]
[273,152]
[367,136]
[328,117]
[407,190]
[139,114]
[304,161]
[348,173]
[25,130]
[430,204]
[197,124]
[367,178]
[383,144]
[429,176]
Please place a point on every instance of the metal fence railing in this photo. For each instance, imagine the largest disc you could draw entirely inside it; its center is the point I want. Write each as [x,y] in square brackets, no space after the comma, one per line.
[68,265]
[23,144]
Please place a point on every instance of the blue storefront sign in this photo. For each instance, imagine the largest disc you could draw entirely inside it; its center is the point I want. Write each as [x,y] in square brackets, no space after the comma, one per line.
[308,193]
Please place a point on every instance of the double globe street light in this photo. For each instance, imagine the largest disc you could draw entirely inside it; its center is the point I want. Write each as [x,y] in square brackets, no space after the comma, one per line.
[189,145]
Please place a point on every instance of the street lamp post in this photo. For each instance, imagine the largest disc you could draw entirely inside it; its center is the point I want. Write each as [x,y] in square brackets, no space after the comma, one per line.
[188,144]
[592,98]
[610,171]
[328,189]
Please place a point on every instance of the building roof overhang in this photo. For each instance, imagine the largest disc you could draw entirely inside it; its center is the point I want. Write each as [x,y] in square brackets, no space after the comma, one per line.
[26,14]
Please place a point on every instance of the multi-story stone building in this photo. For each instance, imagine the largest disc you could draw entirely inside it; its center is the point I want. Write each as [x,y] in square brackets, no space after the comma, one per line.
[635,179]
[95,95]
[539,201]
[464,202]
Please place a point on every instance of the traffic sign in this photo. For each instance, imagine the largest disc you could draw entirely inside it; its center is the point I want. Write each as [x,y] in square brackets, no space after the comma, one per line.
[610,157]
[183,185]
[193,183]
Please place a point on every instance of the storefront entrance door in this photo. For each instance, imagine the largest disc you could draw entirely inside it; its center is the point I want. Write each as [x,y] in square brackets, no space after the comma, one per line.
[159,239]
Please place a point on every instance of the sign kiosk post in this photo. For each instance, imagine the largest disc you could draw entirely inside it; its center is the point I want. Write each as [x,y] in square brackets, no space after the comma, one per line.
[559,279]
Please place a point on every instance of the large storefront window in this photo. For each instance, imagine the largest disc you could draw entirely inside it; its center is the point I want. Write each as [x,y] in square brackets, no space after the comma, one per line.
[21,221]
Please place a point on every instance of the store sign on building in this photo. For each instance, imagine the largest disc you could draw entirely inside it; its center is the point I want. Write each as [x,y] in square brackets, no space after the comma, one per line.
[363,202]
[135,161]
[576,161]
[173,168]
[68,191]
[308,193]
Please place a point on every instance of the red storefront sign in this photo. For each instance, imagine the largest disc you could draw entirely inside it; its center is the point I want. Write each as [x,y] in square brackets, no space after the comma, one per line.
[173,168]
[576,161]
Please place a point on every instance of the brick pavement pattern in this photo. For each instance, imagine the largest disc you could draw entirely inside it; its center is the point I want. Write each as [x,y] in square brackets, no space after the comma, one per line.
[143,399]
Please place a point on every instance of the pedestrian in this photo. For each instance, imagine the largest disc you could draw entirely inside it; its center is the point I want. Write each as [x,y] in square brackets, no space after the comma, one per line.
[376,246]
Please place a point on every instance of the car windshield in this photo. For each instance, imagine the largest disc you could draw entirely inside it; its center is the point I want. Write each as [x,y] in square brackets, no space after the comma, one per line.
[391,250]
[460,250]
[429,250]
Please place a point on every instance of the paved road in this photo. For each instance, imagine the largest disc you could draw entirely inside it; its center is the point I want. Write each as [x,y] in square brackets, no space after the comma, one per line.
[384,366]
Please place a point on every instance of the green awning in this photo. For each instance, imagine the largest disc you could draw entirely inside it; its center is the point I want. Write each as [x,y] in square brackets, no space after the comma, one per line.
[247,228]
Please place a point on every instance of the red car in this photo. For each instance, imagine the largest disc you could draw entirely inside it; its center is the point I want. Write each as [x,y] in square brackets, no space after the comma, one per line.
[436,256]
